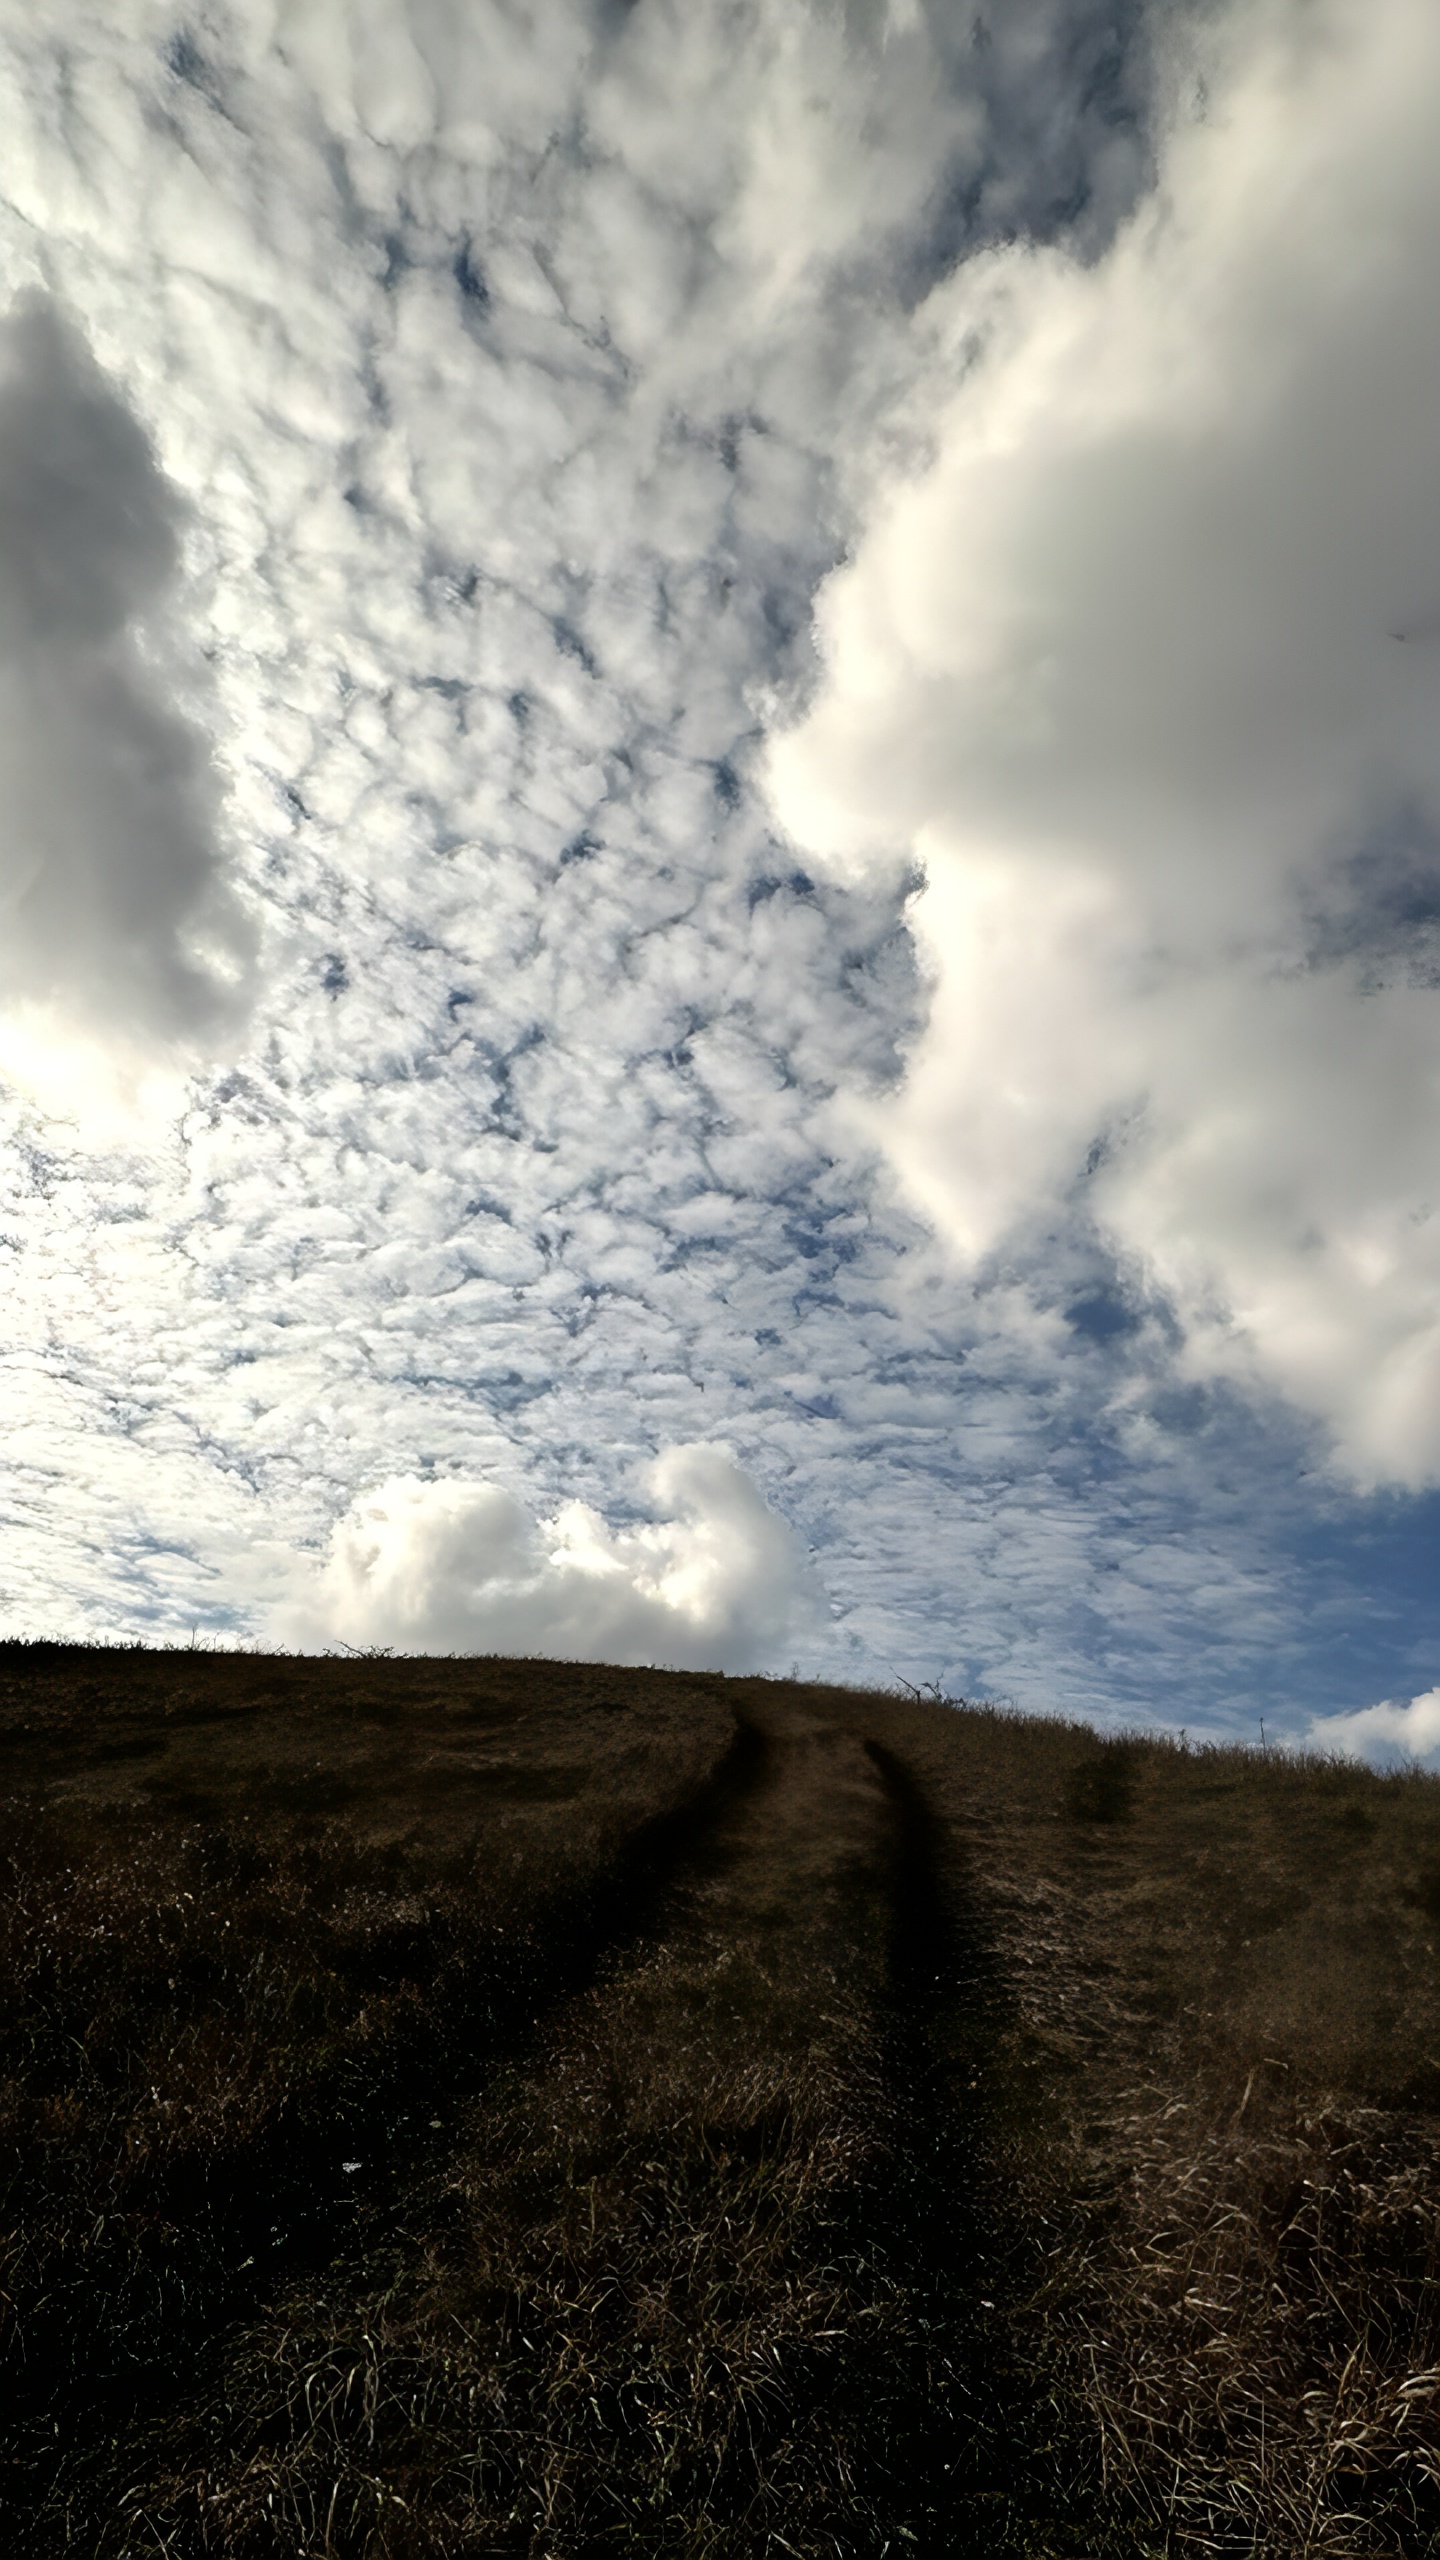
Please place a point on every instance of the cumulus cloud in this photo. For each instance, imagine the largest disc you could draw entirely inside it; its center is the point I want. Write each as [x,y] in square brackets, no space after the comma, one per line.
[115,911]
[1141,669]
[718,1582]
[1385,1732]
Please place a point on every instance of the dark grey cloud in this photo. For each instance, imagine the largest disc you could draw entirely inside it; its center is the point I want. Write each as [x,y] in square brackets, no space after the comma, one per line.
[1066,91]
[116,910]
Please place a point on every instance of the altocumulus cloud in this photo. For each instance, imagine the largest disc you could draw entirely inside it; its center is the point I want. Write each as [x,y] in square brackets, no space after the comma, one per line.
[1142,669]
[118,917]
[509,358]
[480,391]
[718,1582]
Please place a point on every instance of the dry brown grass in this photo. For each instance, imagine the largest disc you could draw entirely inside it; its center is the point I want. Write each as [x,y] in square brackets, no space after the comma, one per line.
[260,1917]
[785,2120]
[1223,1995]
[1258,2332]
[621,2305]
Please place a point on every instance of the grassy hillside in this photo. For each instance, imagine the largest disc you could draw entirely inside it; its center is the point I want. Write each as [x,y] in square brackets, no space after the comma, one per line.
[459,2108]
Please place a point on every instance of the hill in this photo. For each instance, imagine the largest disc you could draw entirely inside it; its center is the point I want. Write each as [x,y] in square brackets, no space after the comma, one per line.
[476,2107]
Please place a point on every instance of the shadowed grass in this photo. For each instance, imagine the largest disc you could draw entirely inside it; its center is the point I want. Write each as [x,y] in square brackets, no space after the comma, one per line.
[481,2108]
[271,1927]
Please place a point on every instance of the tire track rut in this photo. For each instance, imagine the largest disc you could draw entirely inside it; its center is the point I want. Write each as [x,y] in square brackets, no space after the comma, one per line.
[705,2259]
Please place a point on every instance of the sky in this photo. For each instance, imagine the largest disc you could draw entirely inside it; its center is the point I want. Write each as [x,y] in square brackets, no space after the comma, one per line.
[720,841]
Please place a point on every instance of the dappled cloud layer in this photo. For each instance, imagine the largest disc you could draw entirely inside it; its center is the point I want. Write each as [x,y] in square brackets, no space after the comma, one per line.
[481,938]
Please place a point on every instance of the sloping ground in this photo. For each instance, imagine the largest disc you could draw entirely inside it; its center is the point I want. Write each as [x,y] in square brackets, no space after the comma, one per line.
[704,2273]
[634,2248]
[1222,2029]
[471,2107]
[259,1916]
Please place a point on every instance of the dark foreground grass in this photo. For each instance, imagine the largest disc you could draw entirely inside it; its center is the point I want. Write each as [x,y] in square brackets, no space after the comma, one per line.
[482,2108]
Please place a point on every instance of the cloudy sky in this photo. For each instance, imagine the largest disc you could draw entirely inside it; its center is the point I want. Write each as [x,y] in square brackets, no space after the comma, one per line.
[720,839]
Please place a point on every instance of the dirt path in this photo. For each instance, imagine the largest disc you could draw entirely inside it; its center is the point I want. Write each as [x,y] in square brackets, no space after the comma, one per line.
[776,1933]
[692,2268]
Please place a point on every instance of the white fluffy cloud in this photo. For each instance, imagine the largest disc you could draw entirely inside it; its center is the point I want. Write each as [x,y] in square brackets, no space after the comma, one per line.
[1143,668]
[1385,1732]
[115,911]
[718,1582]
